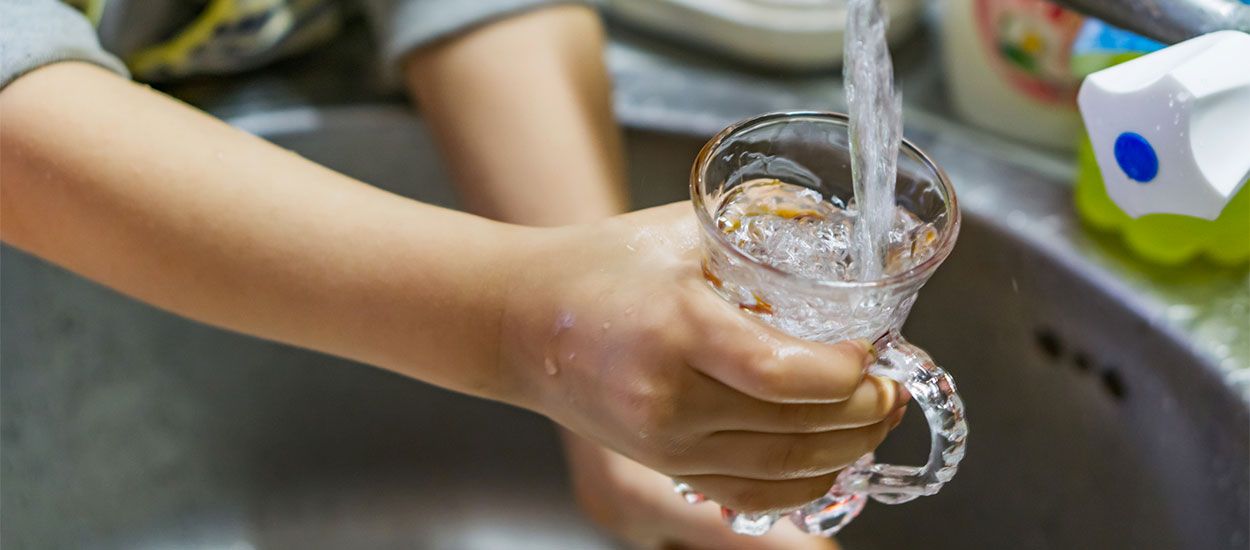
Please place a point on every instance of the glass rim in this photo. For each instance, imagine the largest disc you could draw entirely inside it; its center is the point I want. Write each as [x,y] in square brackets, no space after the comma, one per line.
[918,271]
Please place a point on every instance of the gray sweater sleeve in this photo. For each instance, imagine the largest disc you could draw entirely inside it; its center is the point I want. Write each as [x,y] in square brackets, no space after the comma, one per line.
[34,33]
[402,25]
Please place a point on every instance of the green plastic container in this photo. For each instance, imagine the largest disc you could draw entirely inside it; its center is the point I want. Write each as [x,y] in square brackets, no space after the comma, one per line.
[1168,239]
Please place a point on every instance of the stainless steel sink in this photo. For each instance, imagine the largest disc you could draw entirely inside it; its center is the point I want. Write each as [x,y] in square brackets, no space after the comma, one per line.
[1096,421]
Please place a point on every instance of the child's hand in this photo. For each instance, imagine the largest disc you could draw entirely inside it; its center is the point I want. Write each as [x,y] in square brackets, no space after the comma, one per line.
[237,233]
[615,334]
[637,504]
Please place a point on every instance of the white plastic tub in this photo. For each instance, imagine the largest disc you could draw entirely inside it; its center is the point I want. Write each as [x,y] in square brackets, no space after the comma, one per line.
[785,34]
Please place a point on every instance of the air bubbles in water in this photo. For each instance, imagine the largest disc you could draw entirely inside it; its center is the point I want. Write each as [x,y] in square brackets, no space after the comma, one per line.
[794,229]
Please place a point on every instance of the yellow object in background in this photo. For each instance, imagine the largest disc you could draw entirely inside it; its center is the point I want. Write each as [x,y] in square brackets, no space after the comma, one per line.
[1168,239]
[231,36]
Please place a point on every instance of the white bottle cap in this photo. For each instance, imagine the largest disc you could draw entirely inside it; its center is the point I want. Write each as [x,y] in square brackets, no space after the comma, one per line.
[1171,130]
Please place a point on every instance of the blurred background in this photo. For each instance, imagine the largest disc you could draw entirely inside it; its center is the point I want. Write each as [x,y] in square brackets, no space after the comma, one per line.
[1105,361]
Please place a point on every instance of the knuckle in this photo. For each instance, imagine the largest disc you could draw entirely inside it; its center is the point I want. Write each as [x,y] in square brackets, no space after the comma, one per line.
[663,440]
[849,367]
[658,324]
[691,312]
[655,408]
[750,497]
[659,417]
[673,342]
[660,459]
[851,353]
[710,319]
[805,418]
[767,373]
[659,318]
[847,381]
[786,457]
[658,456]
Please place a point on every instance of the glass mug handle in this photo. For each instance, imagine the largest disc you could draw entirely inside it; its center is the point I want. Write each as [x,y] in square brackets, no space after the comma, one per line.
[933,390]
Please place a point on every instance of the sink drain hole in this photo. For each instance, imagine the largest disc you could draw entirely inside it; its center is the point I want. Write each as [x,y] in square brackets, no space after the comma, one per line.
[1048,342]
[1082,362]
[1054,349]
[1113,383]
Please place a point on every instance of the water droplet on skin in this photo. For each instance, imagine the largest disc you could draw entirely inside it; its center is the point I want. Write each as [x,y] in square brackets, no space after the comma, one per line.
[631,247]
[572,355]
[607,325]
[563,322]
[629,310]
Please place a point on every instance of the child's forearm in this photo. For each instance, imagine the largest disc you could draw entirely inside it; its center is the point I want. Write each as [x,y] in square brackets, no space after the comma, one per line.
[139,192]
[496,97]
[522,111]
[607,328]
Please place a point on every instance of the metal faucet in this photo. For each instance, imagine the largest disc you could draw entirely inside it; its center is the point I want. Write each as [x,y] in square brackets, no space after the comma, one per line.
[1168,21]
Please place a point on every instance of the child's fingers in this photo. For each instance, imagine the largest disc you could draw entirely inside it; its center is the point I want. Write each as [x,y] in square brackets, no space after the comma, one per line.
[753,495]
[768,456]
[872,401]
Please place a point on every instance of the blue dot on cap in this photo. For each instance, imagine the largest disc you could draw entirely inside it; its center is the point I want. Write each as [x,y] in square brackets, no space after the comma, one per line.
[1136,157]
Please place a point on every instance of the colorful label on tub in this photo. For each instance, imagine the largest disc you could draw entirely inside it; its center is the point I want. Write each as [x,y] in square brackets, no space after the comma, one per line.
[1031,46]
[1100,45]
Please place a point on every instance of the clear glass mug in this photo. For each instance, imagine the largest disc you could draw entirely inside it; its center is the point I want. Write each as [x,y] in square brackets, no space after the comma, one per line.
[812,149]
